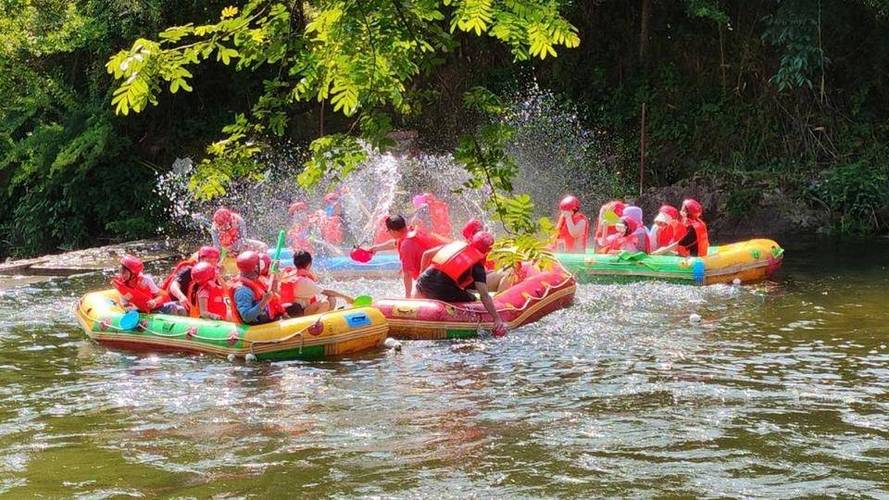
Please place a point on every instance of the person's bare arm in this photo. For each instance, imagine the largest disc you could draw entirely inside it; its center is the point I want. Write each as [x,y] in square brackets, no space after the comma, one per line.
[334,293]
[408,285]
[488,302]
[426,259]
[386,245]
[176,291]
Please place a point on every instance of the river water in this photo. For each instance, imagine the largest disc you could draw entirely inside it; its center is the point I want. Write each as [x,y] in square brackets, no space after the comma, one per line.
[782,390]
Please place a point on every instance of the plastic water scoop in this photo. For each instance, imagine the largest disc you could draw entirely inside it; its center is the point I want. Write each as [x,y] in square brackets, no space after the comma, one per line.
[611,217]
[362,301]
[280,246]
[129,320]
[361,255]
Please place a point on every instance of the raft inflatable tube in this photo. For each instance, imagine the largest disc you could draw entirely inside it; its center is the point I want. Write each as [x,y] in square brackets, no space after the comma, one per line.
[747,261]
[313,337]
[525,302]
[383,265]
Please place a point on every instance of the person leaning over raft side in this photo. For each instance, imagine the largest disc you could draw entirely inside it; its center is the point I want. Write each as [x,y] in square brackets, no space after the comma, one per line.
[179,281]
[140,292]
[456,268]
[228,231]
[302,289]
[411,243]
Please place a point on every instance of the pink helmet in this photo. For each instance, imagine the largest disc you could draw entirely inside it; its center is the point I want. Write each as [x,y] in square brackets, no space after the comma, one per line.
[472,227]
[692,207]
[223,216]
[203,272]
[482,241]
[569,202]
[132,264]
[208,252]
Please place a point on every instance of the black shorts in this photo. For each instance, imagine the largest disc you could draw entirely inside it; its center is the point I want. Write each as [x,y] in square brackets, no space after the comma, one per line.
[434,284]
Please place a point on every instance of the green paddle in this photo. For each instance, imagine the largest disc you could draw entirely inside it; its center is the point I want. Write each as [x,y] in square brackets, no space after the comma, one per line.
[280,246]
[363,301]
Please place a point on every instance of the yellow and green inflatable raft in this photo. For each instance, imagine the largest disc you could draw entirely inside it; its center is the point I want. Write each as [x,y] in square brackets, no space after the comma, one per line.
[335,333]
[747,261]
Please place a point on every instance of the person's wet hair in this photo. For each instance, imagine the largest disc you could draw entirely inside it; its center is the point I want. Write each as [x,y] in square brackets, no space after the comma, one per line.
[302,259]
[294,310]
[395,223]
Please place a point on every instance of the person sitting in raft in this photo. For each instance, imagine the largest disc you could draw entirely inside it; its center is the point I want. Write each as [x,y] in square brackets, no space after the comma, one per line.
[696,242]
[609,214]
[140,292]
[573,227]
[254,301]
[432,215]
[228,233]
[178,282]
[206,296]
[665,231]
[624,239]
[641,232]
[301,287]
[457,268]
[411,243]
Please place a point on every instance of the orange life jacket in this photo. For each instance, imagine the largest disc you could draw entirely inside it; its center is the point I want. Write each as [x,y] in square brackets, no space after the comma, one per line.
[441,218]
[274,309]
[455,259]
[703,239]
[572,244]
[287,289]
[190,262]
[137,293]
[215,301]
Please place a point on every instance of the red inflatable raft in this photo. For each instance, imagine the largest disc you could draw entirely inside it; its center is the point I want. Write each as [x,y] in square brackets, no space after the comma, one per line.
[525,302]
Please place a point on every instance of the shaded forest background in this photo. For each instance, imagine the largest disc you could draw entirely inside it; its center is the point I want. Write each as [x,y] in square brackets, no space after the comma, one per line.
[748,97]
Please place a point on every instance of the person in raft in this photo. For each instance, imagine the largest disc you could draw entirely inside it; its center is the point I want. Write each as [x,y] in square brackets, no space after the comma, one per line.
[254,301]
[573,227]
[641,232]
[179,281]
[665,231]
[457,268]
[696,241]
[140,292]
[228,233]
[206,295]
[301,287]
[298,236]
[609,214]
[432,214]
[625,239]
[411,243]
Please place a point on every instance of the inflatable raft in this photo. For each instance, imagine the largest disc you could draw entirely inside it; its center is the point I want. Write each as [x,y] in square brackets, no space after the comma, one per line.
[524,303]
[312,337]
[384,265]
[747,261]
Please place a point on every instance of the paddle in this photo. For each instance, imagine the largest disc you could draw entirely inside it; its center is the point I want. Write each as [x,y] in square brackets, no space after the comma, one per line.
[282,235]
[362,301]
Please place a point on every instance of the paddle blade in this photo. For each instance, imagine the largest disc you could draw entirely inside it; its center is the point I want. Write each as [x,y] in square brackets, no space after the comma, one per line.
[361,255]
[363,301]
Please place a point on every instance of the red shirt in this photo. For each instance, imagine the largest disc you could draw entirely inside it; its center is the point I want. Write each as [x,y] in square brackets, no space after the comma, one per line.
[411,250]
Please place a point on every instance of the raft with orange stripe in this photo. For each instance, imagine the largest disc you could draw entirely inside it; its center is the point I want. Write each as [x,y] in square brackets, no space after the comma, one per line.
[334,333]
[523,303]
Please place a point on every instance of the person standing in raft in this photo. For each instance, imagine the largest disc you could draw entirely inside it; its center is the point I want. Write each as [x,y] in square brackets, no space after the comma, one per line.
[140,292]
[228,233]
[457,268]
[301,287]
[573,227]
[206,296]
[179,281]
[411,243]
[254,302]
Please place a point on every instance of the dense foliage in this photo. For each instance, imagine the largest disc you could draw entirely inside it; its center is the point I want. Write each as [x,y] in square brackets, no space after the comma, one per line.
[753,96]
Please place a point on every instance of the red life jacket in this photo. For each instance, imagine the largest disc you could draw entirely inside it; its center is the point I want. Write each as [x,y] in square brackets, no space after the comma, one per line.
[274,309]
[137,293]
[454,259]
[215,301]
[298,237]
[332,229]
[441,218]
[572,244]
[287,290]
[703,240]
[190,262]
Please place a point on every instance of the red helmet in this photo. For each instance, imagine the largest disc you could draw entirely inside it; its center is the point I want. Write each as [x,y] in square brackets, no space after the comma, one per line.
[248,262]
[569,203]
[692,207]
[482,241]
[265,264]
[472,227]
[223,216]
[670,211]
[203,272]
[132,264]
[297,206]
[208,252]
[619,207]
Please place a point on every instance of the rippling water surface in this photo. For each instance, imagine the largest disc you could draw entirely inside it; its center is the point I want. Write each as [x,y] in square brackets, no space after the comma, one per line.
[782,390]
